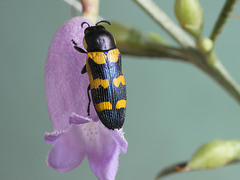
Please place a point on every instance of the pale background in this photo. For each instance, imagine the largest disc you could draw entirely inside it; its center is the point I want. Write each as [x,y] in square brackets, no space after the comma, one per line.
[173,107]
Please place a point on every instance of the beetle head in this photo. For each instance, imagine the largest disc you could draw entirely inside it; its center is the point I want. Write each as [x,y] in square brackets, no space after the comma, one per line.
[97,38]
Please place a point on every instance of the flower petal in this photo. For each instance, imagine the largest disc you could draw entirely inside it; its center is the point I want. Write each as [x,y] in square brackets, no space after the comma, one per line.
[66,87]
[118,136]
[68,152]
[76,119]
[51,138]
[103,157]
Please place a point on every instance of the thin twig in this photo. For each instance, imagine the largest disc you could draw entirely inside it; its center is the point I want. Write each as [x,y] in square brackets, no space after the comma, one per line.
[166,23]
[222,76]
[209,64]
[222,19]
[74,3]
[176,168]
[155,51]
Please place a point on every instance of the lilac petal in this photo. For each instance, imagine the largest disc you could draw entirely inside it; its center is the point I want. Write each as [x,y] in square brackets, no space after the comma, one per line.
[103,154]
[51,138]
[118,136]
[68,152]
[76,119]
[66,87]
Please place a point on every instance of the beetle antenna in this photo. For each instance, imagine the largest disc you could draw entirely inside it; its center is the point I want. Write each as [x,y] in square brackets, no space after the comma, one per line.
[103,21]
[84,23]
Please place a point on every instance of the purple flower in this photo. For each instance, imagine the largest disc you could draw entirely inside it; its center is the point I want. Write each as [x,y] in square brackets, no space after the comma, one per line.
[76,135]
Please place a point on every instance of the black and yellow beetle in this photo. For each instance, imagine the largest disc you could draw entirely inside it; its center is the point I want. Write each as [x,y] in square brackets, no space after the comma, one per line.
[104,68]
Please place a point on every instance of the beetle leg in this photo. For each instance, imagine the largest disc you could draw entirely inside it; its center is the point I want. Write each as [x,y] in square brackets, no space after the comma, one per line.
[74,42]
[89,100]
[84,69]
[78,48]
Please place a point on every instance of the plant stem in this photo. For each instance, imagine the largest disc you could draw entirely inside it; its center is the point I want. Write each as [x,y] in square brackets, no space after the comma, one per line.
[90,9]
[221,75]
[153,50]
[224,15]
[172,169]
[210,64]
[131,41]
[166,23]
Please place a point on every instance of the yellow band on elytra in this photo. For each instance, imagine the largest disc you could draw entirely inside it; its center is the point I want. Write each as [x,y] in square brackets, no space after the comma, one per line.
[118,80]
[103,106]
[121,104]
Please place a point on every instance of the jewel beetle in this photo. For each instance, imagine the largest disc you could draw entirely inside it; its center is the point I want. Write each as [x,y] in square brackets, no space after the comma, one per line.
[104,68]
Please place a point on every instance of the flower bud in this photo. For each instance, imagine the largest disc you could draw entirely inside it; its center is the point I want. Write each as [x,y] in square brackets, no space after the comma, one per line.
[206,45]
[215,154]
[189,15]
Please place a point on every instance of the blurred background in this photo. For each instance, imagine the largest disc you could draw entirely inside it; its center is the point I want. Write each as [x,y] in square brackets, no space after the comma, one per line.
[173,107]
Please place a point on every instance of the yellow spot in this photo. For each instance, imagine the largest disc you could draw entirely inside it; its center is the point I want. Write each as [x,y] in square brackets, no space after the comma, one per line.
[103,106]
[121,104]
[94,84]
[98,57]
[113,55]
[118,80]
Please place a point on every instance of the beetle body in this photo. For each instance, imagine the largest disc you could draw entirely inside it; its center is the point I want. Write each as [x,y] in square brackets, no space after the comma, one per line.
[107,83]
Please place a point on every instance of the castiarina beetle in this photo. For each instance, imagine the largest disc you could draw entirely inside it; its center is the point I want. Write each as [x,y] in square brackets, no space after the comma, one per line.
[104,68]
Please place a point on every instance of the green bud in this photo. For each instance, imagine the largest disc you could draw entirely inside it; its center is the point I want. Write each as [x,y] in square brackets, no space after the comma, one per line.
[215,154]
[189,15]
[206,45]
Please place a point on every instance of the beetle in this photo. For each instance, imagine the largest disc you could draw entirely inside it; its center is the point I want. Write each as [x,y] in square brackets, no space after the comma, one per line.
[104,68]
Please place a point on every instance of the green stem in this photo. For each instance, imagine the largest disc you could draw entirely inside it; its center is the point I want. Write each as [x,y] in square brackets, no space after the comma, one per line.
[221,75]
[213,67]
[152,50]
[224,15]
[209,64]
[176,168]
[166,23]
